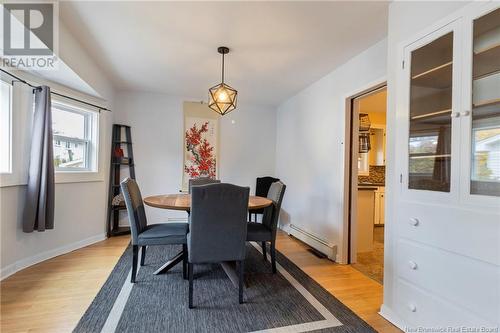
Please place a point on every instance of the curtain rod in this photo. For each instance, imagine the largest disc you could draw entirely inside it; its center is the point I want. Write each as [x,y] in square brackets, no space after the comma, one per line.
[55,93]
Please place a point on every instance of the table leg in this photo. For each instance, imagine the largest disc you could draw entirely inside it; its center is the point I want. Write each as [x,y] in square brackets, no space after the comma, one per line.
[171,263]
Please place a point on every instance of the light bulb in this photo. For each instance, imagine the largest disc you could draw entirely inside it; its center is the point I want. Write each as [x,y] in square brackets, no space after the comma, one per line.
[222,96]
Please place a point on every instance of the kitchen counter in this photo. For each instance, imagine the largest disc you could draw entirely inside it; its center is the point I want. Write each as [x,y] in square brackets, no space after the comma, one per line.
[370,184]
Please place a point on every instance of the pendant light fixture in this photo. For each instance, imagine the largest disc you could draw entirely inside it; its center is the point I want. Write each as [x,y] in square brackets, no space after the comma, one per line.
[222,98]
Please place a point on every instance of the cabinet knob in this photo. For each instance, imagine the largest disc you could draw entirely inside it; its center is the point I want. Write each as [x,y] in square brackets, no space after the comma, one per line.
[412,307]
[413,265]
[414,221]
[465,113]
[455,114]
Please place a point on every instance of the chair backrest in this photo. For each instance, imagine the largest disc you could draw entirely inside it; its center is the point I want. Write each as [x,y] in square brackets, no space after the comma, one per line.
[135,207]
[263,184]
[218,223]
[272,214]
[202,181]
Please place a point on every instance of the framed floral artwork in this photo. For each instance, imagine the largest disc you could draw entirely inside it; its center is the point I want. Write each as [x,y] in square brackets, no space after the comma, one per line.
[201,139]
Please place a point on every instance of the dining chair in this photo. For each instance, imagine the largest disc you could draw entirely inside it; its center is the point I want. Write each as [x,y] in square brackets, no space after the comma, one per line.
[202,181]
[261,189]
[217,229]
[154,234]
[266,231]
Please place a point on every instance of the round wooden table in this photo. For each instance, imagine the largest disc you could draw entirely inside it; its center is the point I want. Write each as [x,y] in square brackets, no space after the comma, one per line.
[183,202]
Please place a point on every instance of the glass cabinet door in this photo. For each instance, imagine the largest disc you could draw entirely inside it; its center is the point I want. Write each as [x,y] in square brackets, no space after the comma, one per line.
[430,109]
[485,135]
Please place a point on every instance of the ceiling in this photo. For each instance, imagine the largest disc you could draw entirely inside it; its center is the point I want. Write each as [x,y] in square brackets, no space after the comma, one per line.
[277,48]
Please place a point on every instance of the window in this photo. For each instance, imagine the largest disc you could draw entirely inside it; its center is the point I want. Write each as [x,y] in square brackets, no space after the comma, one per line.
[5,127]
[75,138]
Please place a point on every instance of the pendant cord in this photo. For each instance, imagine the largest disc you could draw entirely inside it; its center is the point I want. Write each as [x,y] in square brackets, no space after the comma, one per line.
[222,68]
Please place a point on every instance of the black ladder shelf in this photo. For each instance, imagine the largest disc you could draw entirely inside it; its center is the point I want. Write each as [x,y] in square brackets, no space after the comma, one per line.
[115,199]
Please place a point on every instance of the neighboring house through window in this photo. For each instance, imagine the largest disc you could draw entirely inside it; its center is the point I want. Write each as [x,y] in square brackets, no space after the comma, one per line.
[75,138]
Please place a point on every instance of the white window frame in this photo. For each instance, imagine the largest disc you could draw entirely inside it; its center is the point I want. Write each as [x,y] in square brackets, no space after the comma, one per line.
[20,131]
[90,127]
[21,122]
[9,129]
[91,140]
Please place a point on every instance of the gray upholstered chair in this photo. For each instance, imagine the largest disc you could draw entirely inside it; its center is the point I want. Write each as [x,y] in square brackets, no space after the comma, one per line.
[266,231]
[202,181]
[217,230]
[262,186]
[154,234]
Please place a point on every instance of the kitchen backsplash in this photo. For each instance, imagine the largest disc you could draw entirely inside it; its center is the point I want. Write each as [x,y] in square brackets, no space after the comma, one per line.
[376,176]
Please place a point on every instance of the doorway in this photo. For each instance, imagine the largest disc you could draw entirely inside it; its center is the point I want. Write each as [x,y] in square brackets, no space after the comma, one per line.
[368,112]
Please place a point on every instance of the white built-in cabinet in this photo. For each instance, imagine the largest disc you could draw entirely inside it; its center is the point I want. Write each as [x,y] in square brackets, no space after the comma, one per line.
[447,207]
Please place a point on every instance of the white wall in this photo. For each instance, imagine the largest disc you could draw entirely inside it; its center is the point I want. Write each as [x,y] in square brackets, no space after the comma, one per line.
[310,145]
[80,208]
[246,151]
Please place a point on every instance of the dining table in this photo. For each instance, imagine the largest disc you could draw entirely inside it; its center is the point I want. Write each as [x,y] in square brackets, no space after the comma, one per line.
[182,201]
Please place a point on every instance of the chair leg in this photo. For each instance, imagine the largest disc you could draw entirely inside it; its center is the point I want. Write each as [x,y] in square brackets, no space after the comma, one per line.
[190,273]
[241,274]
[273,256]
[184,261]
[264,250]
[135,253]
[143,255]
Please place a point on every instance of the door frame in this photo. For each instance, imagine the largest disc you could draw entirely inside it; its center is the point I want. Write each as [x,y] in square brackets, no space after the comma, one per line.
[347,233]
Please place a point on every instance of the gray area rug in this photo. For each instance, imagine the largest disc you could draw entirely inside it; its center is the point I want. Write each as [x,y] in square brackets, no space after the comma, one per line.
[289,301]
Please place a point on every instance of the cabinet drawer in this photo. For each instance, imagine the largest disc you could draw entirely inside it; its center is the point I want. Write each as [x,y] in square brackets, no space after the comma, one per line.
[473,233]
[422,309]
[466,282]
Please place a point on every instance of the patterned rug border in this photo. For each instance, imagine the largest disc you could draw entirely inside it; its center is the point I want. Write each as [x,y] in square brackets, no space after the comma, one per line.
[106,297]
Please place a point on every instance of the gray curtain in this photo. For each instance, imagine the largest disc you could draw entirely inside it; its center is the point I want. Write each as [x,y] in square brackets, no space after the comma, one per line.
[39,206]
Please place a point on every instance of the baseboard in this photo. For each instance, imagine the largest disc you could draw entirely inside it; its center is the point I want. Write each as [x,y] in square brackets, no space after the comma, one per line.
[388,314]
[177,219]
[330,250]
[27,262]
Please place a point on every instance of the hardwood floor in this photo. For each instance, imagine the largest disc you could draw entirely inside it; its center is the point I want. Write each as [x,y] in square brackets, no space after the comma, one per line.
[53,295]
[357,291]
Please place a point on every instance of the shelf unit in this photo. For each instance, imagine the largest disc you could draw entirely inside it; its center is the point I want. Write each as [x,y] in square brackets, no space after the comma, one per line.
[113,228]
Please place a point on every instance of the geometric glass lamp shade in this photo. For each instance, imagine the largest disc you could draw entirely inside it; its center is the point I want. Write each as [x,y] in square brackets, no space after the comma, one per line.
[222,98]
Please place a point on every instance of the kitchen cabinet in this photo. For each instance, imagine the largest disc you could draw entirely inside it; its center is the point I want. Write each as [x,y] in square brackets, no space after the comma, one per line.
[364,224]
[379,206]
[377,151]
